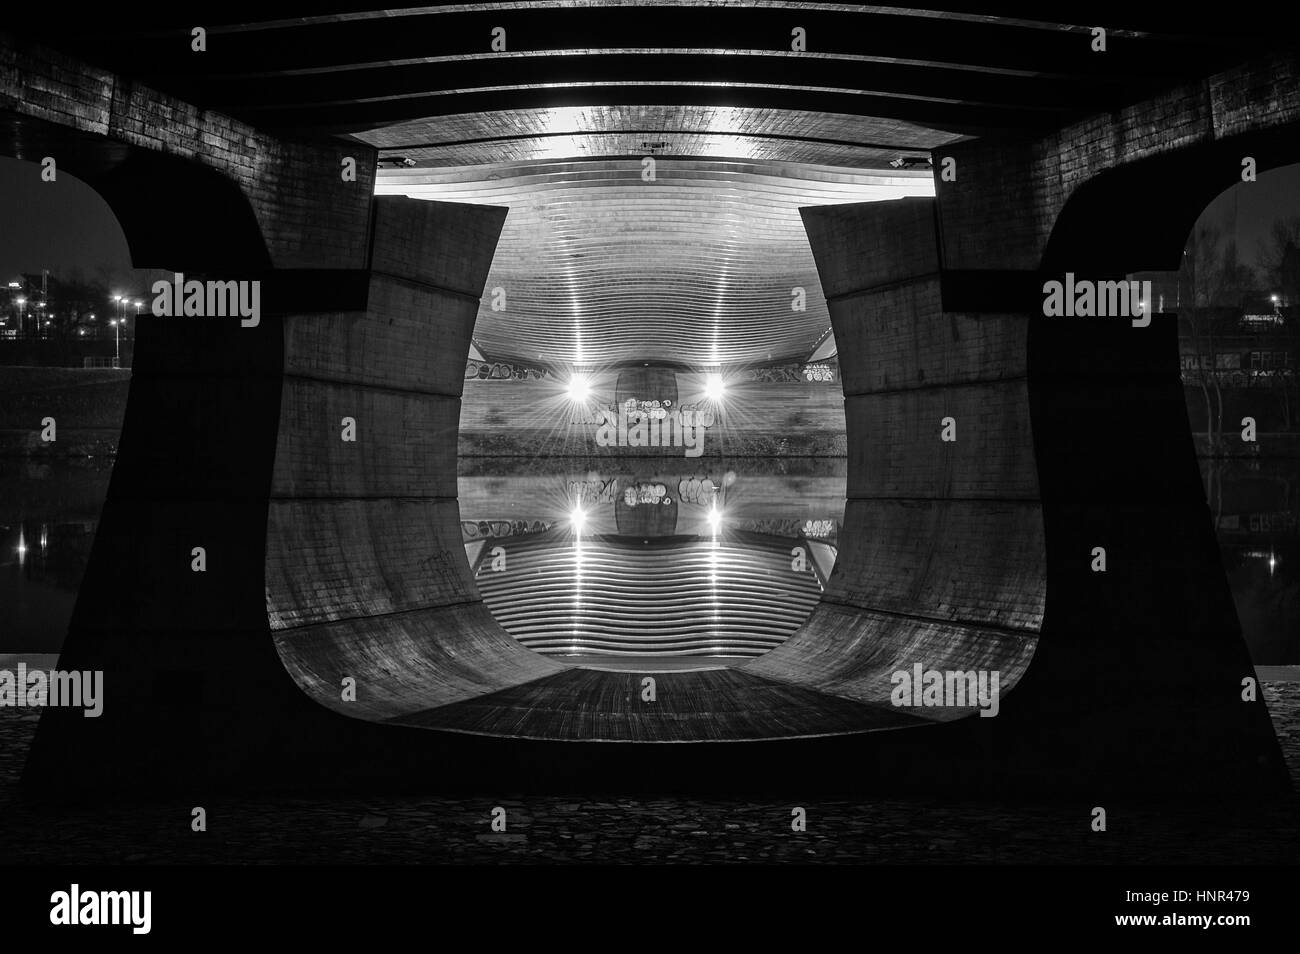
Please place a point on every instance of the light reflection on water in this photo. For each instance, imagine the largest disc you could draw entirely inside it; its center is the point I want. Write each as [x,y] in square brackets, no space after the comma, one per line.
[662,557]
[49,512]
[48,515]
[1256,507]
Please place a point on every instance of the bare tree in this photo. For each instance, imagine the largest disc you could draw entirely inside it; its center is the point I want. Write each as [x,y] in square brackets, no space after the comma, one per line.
[1212,278]
[1272,252]
[1279,258]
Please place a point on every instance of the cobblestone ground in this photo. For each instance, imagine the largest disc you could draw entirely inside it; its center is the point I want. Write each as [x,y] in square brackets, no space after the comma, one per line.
[652,830]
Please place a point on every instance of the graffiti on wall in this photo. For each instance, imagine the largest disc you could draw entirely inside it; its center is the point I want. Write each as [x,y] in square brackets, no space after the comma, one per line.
[819,372]
[491,529]
[593,491]
[637,495]
[634,412]
[502,371]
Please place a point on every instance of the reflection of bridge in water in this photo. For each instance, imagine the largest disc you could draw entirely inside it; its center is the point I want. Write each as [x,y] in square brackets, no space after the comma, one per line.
[561,594]
[662,566]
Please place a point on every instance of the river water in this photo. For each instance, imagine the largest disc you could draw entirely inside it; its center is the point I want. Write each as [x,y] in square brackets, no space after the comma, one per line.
[49,511]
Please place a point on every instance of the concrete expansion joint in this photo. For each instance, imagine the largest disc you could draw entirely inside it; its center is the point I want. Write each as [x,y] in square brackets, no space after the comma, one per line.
[942,385]
[428,285]
[391,614]
[347,497]
[352,383]
[885,286]
[855,609]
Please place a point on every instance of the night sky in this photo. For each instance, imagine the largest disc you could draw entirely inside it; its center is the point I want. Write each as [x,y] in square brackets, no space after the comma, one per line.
[1252,209]
[55,225]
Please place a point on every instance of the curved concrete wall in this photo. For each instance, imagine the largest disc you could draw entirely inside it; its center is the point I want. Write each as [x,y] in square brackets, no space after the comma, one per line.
[365,569]
[942,555]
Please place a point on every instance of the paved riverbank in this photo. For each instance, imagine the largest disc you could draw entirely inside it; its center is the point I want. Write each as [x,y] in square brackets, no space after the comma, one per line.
[418,829]
[87,407]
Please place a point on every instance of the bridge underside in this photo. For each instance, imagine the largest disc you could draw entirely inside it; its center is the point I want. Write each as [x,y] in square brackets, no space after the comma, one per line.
[332,562]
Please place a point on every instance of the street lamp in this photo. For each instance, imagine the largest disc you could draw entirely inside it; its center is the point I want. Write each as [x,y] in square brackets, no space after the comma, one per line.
[117,340]
[22,315]
[714,387]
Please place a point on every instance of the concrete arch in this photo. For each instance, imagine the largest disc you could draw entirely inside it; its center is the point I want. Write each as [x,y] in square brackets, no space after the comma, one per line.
[1162,195]
[241,451]
[1159,645]
[175,213]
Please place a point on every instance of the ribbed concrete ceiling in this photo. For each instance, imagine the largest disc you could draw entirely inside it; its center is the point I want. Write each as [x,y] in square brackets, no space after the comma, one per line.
[908,72]
[600,267]
[737,132]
